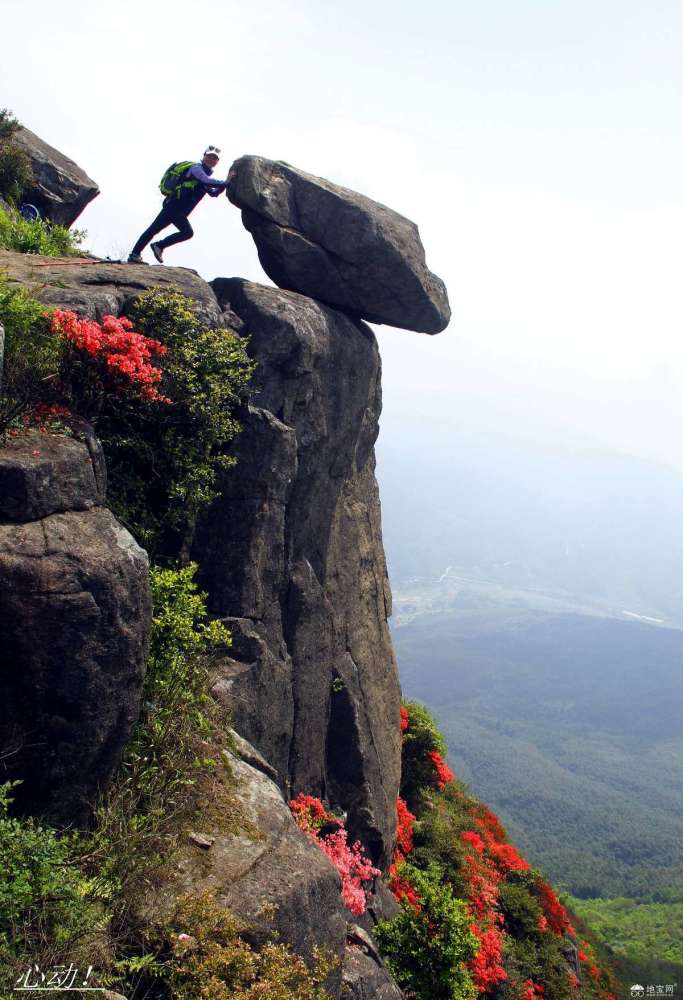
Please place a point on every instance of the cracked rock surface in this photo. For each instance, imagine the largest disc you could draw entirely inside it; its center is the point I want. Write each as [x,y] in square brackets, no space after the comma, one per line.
[271,876]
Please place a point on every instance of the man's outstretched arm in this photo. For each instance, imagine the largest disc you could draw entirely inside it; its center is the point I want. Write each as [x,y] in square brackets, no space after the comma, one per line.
[197,173]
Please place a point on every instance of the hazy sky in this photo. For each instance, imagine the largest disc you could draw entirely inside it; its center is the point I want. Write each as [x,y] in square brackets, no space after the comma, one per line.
[537,145]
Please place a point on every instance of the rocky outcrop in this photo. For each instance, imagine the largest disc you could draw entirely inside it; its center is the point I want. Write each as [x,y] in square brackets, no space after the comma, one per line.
[96,288]
[269,874]
[337,246]
[42,474]
[291,554]
[365,978]
[74,619]
[61,189]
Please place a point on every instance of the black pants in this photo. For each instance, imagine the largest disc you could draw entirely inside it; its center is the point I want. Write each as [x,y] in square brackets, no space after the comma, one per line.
[170,215]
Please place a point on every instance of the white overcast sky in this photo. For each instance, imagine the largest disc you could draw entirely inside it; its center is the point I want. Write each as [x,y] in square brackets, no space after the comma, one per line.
[537,145]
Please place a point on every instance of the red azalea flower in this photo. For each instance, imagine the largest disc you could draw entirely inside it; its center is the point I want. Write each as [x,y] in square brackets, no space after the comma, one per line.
[444,775]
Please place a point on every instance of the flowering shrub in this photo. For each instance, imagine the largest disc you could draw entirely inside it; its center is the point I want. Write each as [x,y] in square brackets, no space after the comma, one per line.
[486,967]
[109,357]
[405,822]
[517,921]
[427,948]
[420,739]
[310,813]
[351,862]
[532,990]
[205,373]
[443,773]
[116,374]
[353,866]
[401,887]
[553,910]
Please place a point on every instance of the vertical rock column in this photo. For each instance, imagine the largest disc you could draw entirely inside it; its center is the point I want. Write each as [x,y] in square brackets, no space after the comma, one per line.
[292,556]
[74,618]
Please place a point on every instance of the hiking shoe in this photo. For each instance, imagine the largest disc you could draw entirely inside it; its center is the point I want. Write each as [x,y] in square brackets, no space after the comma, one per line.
[158,252]
[135,258]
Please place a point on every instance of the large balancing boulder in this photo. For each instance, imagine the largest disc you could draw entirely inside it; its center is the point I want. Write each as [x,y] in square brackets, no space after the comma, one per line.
[61,189]
[337,246]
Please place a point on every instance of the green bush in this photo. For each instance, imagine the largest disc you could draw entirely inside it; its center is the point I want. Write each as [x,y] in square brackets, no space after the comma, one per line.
[164,460]
[32,355]
[45,909]
[437,837]
[16,175]
[519,906]
[421,738]
[212,961]
[39,237]
[138,818]
[426,951]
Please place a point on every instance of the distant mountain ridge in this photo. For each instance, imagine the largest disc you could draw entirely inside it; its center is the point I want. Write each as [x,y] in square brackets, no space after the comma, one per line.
[566,723]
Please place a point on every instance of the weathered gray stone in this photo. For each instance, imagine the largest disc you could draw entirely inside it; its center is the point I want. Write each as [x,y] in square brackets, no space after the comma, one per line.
[246,752]
[291,554]
[61,188]
[74,620]
[273,879]
[363,978]
[97,288]
[43,474]
[337,246]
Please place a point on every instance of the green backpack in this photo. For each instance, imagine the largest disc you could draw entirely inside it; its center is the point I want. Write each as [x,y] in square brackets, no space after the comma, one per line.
[172,182]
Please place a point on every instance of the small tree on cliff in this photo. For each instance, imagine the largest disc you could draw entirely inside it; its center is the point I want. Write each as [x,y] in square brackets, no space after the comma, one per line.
[15,166]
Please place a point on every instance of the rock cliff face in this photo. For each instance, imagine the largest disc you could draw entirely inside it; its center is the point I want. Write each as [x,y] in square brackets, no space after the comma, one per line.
[290,554]
[292,557]
[74,620]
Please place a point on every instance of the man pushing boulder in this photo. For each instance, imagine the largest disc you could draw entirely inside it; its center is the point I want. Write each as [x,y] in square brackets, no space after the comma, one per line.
[183,185]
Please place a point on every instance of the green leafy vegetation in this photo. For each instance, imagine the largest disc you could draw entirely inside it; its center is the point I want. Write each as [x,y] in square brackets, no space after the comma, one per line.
[165,770]
[645,940]
[427,949]
[32,356]
[455,845]
[421,739]
[203,957]
[16,174]
[46,906]
[164,462]
[38,237]
[636,929]
[58,890]
[165,441]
